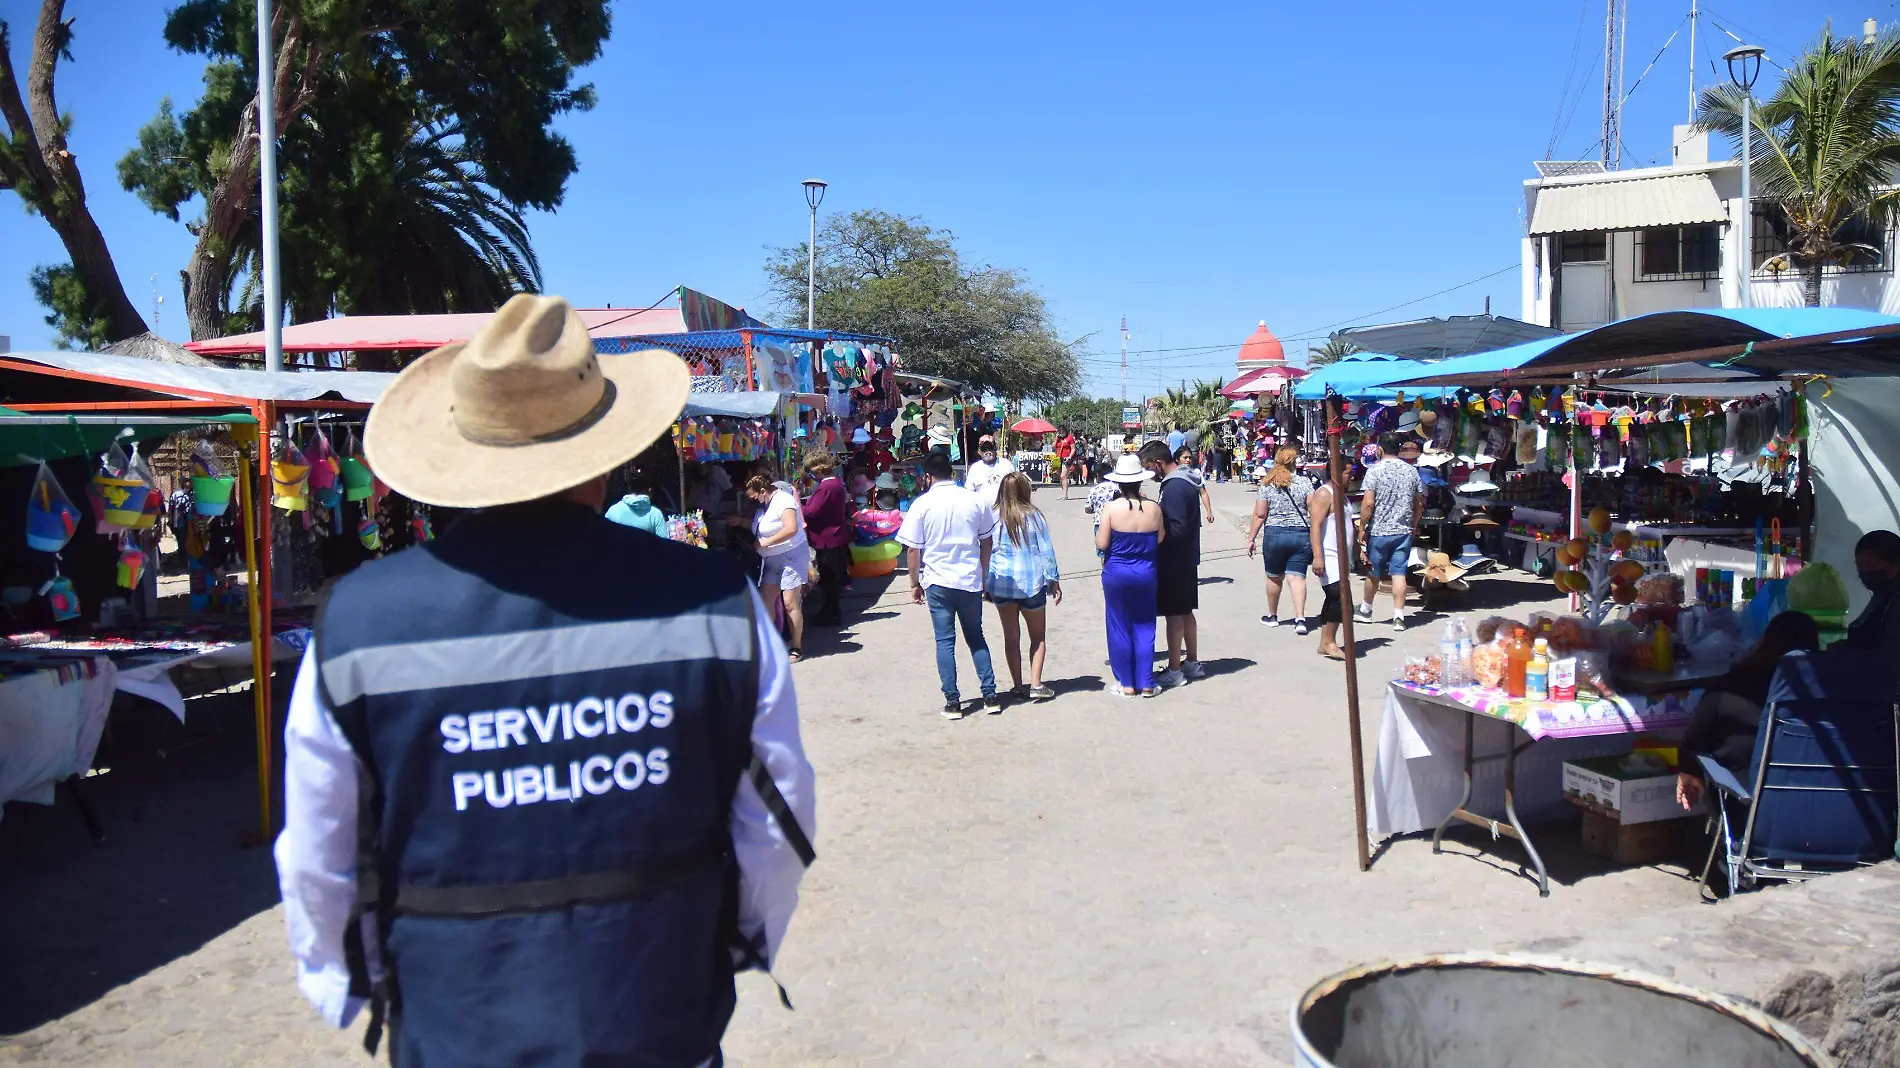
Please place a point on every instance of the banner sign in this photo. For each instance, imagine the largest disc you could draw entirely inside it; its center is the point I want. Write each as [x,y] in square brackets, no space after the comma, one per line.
[701,312]
[1131,418]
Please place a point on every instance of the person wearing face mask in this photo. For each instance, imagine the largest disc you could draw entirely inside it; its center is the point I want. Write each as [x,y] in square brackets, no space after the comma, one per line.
[1877,560]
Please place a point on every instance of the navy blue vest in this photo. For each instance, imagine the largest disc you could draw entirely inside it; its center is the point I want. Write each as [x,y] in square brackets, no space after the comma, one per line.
[552,712]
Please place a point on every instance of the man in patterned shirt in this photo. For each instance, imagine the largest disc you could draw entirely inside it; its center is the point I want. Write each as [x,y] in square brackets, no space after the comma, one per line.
[1393,502]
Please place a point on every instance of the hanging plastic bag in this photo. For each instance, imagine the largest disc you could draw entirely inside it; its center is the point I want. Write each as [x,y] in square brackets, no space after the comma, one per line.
[322,460]
[60,597]
[211,482]
[290,479]
[51,518]
[116,492]
[131,567]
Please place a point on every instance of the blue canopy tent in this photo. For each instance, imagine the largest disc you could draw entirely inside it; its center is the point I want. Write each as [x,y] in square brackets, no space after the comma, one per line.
[1361,376]
[1705,346]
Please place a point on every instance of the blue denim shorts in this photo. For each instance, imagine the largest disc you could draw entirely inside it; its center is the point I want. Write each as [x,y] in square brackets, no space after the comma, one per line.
[1388,554]
[1028,604]
[1286,550]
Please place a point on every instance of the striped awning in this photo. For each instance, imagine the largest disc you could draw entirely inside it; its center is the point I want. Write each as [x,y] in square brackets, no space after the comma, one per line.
[1632,204]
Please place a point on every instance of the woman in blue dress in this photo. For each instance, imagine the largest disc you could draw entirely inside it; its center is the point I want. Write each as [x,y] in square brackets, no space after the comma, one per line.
[1128,536]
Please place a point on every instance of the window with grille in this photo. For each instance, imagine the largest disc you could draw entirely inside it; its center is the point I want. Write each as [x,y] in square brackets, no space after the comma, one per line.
[1678,253]
[1769,236]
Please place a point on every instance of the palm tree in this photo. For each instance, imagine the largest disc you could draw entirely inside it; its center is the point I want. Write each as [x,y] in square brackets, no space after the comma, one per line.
[1336,348]
[1826,146]
[1193,408]
[444,241]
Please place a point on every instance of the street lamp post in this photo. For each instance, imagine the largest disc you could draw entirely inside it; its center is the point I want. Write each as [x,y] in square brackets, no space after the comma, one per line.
[814,196]
[1744,66]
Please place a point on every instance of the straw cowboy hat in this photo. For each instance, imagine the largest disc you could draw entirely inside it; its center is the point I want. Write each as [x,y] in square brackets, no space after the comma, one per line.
[1128,469]
[524,409]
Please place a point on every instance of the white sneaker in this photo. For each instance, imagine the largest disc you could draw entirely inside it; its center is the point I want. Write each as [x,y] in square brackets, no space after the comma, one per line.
[1192,669]
[1363,613]
[1398,621]
[1168,680]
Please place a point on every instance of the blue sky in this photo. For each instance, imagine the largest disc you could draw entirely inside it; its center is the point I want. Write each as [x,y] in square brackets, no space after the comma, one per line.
[1197,167]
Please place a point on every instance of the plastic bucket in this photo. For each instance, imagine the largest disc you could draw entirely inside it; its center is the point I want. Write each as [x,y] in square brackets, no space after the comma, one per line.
[119,500]
[1476,1011]
[211,494]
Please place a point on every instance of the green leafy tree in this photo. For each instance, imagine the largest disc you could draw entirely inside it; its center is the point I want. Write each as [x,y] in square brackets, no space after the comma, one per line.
[86,298]
[1336,349]
[78,317]
[1092,418]
[886,274]
[412,133]
[1825,147]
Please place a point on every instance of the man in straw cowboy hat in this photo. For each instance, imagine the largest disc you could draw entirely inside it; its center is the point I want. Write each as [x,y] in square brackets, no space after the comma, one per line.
[544,786]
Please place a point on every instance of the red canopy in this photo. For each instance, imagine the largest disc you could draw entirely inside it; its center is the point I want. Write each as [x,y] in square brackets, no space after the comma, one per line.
[1032,425]
[1262,380]
[347,333]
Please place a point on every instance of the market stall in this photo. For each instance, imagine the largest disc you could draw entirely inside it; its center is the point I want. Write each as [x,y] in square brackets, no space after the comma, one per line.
[81,386]
[1586,716]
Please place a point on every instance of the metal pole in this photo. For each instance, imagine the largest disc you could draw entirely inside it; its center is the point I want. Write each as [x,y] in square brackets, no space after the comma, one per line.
[1335,465]
[1745,299]
[1694,13]
[1124,360]
[811,273]
[267,175]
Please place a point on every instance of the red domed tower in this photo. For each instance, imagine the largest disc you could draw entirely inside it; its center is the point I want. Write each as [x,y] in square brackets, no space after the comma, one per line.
[1261,349]
[1262,366]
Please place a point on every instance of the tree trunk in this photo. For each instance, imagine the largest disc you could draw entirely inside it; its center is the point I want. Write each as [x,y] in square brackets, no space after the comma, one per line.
[45,173]
[230,204]
[1811,283]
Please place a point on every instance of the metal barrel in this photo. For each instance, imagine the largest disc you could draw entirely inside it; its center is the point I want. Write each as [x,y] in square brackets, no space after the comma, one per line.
[1486,1011]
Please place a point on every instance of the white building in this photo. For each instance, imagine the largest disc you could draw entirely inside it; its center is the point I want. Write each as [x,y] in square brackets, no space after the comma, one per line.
[1603,246]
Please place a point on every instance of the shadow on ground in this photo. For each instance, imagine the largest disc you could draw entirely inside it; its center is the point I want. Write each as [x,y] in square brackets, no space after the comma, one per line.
[1560,844]
[77,920]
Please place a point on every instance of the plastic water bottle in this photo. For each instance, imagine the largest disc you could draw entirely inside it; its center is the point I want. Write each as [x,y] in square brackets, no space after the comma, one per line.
[1454,654]
[1448,656]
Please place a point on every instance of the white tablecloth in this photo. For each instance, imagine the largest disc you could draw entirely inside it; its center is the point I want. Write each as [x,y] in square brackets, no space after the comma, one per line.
[1420,770]
[50,729]
[153,680]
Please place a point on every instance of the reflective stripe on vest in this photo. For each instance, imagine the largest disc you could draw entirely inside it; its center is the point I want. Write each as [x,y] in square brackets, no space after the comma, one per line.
[542,653]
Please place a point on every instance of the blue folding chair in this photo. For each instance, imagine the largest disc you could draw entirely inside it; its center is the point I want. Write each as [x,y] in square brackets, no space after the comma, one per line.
[1825,771]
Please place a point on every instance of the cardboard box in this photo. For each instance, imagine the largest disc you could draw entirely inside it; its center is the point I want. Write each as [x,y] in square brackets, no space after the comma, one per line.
[1635,843]
[1606,786]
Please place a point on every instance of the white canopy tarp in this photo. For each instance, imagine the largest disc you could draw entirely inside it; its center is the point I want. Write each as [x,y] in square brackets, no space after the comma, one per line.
[176,379]
[1853,434]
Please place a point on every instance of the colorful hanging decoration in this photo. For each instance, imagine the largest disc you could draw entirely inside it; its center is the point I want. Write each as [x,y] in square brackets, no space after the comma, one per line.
[51,518]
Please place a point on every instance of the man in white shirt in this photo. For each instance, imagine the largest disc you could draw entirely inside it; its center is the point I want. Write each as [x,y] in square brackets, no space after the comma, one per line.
[948,532]
[985,477]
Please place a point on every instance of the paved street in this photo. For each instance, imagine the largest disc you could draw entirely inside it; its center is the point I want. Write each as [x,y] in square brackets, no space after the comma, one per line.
[1091,881]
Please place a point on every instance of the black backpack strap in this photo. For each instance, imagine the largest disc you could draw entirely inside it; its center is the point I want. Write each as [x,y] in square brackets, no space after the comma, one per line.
[781,811]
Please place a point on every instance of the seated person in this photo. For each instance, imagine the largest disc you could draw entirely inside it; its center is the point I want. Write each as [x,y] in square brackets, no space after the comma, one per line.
[1728,717]
[1877,560]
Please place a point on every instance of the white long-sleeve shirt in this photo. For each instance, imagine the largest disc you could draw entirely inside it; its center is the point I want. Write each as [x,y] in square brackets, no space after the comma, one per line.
[316,853]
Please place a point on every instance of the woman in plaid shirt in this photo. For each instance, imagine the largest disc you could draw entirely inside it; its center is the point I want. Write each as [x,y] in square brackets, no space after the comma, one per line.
[1023,578]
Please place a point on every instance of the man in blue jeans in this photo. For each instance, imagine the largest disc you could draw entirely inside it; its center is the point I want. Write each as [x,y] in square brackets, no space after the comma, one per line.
[1393,502]
[948,533]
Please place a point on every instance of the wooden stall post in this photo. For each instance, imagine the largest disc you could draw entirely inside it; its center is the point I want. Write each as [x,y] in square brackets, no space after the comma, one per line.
[1335,466]
[260,660]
